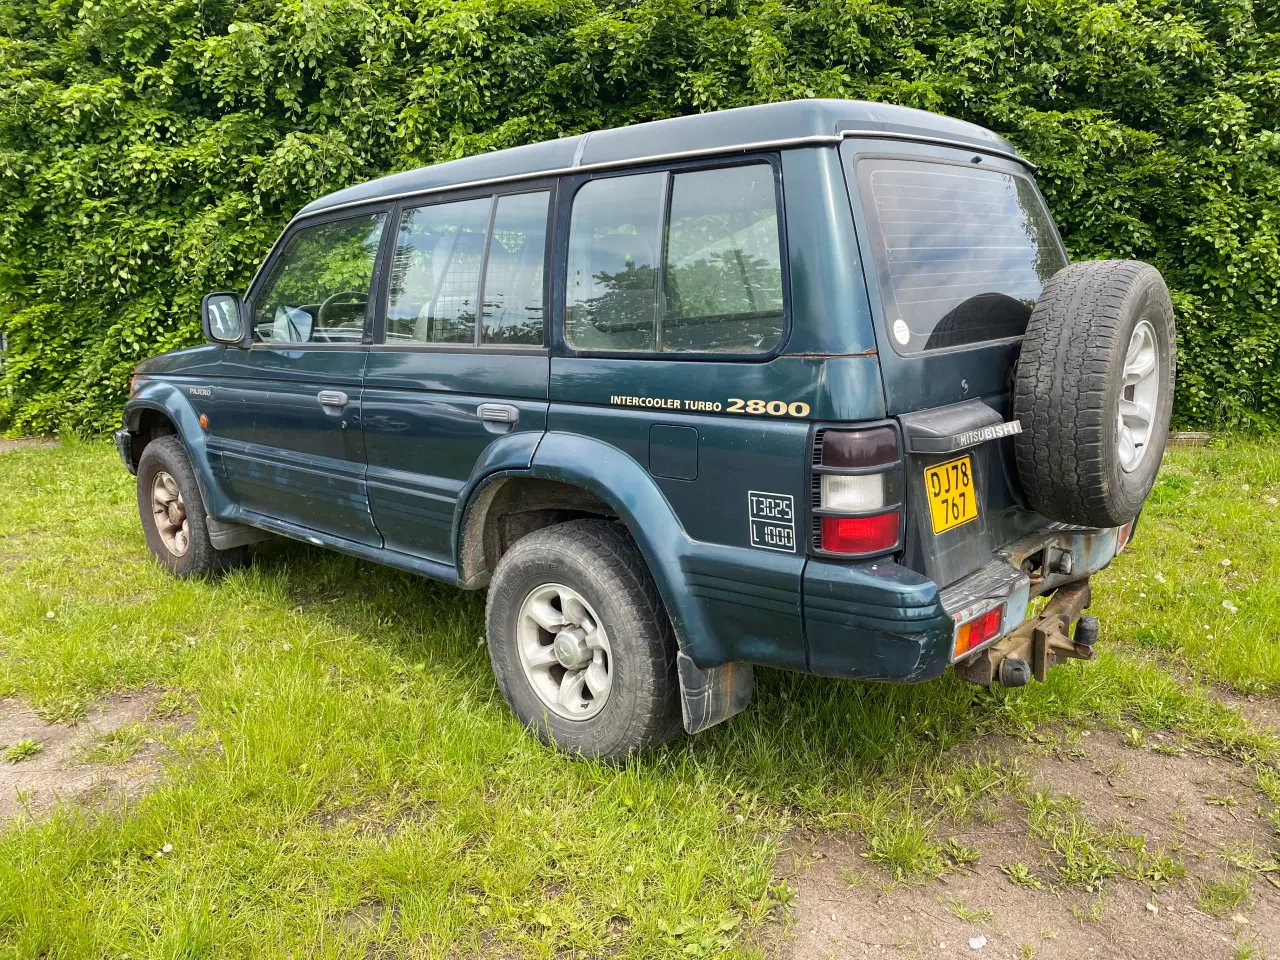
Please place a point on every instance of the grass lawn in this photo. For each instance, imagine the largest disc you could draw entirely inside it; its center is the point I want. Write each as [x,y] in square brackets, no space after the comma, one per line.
[350,779]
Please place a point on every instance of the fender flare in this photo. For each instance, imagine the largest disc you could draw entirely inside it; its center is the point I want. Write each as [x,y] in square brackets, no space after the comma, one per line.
[169,400]
[627,487]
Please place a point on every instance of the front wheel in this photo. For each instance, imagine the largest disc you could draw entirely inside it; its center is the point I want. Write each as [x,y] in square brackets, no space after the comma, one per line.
[173,514]
[580,642]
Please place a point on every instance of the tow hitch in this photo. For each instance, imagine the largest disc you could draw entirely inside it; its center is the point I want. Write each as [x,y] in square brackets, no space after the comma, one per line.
[1038,643]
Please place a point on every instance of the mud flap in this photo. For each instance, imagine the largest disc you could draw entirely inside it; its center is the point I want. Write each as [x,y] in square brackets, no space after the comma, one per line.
[710,696]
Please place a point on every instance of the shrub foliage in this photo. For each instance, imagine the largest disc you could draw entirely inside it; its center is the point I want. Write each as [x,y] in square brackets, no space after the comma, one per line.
[151,150]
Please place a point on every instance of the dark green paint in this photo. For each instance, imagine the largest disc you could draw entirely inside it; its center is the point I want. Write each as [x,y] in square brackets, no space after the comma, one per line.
[391,475]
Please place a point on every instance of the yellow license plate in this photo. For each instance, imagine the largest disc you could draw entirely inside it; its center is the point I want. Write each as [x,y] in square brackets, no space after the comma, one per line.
[951,495]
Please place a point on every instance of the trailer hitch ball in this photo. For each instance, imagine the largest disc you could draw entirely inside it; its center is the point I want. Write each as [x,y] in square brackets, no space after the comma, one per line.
[1014,672]
[1086,632]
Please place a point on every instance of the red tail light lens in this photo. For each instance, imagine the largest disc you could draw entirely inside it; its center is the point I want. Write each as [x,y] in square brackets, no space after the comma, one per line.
[978,630]
[860,534]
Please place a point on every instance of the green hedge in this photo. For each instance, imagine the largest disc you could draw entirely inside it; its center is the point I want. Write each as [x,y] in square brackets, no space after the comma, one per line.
[151,150]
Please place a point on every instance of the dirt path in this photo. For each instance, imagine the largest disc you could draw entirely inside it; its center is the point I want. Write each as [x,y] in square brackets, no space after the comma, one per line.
[1201,810]
[24,443]
[111,754]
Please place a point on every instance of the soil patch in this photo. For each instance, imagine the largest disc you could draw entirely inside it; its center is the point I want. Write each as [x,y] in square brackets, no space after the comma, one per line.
[1202,810]
[110,755]
[23,443]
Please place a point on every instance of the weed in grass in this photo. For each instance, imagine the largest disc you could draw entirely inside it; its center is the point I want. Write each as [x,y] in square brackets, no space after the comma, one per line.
[1220,897]
[1026,952]
[1220,800]
[959,854]
[1084,854]
[1248,950]
[970,914]
[1169,749]
[1020,875]
[1243,854]
[1091,914]
[116,746]
[1135,737]
[852,878]
[173,703]
[23,750]
[903,845]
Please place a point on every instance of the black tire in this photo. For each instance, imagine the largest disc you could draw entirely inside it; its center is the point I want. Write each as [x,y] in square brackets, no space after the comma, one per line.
[1069,385]
[598,560]
[200,558]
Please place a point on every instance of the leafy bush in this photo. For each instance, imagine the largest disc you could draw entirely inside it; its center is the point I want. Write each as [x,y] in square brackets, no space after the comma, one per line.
[151,150]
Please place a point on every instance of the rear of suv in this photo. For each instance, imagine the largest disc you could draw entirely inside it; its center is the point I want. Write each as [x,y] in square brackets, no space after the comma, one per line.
[808,385]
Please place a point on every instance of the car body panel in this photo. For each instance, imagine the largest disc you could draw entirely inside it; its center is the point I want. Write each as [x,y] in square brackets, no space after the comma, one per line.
[424,435]
[285,454]
[400,473]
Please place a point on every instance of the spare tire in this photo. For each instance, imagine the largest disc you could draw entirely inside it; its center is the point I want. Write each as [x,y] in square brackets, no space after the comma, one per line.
[1093,390]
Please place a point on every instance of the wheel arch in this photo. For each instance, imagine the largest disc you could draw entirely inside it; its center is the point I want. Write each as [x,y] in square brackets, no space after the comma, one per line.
[582,476]
[159,409]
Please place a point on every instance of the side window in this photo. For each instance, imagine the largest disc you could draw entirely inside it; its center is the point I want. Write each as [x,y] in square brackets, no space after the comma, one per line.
[435,274]
[613,263]
[513,285]
[318,290]
[723,276]
[718,288]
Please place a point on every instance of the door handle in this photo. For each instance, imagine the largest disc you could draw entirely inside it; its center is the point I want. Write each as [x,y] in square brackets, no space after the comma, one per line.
[498,413]
[332,398]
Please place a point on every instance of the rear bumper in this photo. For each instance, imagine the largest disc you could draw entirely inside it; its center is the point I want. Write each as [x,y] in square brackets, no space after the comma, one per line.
[881,621]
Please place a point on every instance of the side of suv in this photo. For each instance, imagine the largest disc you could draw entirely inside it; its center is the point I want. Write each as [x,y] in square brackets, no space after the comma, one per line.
[807,385]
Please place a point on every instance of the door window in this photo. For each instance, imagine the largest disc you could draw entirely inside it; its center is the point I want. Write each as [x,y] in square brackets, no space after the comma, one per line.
[436,272]
[435,275]
[513,272]
[318,289]
[708,280]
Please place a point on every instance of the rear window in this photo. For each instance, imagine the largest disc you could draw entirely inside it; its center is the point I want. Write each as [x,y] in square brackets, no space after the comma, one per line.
[961,254]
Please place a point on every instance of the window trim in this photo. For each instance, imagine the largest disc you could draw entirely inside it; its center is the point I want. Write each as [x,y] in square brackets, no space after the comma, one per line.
[493,194]
[569,192]
[276,253]
[871,266]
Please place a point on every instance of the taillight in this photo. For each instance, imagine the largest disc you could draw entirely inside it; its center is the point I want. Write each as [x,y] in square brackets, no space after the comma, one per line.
[857,491]
[978,630]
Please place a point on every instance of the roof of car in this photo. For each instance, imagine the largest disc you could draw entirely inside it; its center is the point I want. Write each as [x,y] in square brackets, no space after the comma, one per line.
[794,122]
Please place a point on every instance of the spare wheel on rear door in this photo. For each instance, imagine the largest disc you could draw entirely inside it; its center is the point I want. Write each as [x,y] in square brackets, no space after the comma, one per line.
[1094,391]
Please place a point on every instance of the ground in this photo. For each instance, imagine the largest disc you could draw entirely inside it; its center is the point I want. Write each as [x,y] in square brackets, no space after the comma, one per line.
[309,757]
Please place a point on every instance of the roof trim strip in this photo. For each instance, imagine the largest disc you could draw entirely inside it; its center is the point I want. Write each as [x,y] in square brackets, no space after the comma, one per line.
[578,167]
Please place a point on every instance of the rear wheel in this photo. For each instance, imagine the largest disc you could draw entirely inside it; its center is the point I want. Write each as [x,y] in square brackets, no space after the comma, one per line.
[580,642]
[1094,392]
[173,515]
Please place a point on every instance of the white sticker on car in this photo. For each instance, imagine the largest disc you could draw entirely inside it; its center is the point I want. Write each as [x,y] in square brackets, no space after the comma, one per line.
[773,520]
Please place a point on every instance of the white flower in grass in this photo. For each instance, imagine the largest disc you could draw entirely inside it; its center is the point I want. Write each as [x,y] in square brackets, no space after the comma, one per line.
[1230,607]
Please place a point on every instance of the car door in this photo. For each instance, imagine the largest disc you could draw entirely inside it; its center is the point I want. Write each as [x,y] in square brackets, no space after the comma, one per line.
[285,424]
[462,364]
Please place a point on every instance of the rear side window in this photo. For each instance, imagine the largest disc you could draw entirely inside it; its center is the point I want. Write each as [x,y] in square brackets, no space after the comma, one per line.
[961,254]
[676,263]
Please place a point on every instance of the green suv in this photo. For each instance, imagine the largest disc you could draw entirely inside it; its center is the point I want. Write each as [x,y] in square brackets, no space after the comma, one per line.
[809,385]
